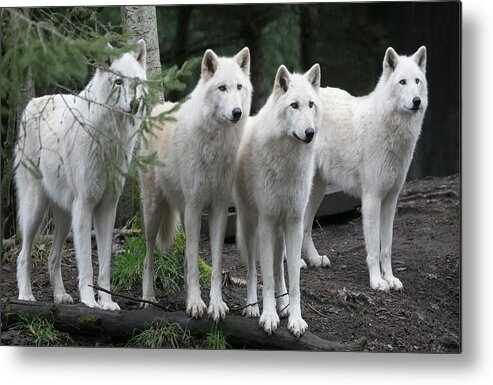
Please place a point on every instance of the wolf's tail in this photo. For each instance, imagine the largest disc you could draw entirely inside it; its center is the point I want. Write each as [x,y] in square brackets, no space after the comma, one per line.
[167,228]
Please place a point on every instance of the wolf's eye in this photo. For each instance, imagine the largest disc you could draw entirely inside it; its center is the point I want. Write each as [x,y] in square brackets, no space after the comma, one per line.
[118,82]
[403,82]
[239,86]
[294,105]
[222,88]
[310,104]
[417,81]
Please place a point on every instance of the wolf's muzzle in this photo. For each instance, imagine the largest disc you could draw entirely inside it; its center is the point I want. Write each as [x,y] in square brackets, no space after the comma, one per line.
[236,114]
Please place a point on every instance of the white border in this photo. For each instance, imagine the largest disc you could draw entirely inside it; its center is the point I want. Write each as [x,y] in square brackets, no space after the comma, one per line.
[125,366]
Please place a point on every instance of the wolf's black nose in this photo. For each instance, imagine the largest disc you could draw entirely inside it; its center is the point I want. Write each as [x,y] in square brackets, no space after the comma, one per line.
[416,102]
[237,113]
[309,132]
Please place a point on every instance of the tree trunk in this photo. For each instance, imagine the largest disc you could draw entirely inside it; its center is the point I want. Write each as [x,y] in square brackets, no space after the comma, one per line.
[253,38]
[179,50]
[309,25]
[16,104]
[142,23]
[240,332]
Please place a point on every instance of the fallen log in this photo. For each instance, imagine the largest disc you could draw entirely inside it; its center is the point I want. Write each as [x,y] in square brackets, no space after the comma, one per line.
[240,332]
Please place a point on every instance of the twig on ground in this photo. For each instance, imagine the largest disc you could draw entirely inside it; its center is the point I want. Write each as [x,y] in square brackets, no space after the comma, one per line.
[130,297]
[435,194]
[255,303]
[316,311]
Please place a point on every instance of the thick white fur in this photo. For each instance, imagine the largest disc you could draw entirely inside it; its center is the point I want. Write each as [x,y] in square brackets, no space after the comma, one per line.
[365,147]
[272,186]
[196,153]
[69,156]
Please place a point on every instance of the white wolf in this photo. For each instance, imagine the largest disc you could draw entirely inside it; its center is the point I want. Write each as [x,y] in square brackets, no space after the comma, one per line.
[365,147]
[195,171]
[273,178]
[69,153]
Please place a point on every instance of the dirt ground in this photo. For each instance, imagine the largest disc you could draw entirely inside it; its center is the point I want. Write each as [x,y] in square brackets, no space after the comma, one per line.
[337,302]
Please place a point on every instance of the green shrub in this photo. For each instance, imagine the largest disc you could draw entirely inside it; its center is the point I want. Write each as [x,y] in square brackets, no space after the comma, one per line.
[168,270]
[42,332]
[215,339]
[162,334]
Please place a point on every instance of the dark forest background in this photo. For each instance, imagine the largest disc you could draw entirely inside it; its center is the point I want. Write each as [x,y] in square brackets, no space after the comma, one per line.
[347,39]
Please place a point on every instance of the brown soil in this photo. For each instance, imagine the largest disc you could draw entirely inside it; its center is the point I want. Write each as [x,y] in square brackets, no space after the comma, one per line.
[337,303]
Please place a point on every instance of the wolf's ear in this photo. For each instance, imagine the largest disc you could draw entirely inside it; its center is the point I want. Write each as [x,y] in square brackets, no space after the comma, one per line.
[390,61]
[281,83]
[141,53]
[420,58]
[209,64]
[109,61]
[243,60]
[313,76]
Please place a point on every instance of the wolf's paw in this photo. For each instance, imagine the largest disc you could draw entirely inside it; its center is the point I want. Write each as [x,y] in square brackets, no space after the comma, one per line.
[217,310]
[324,261]
[297,326]
[251,311]
[108,304]
[144,304]
[27,297]
[196,308]
[92,304]
[62,298]
[379,284]
[319,261]
[303,265]
[394,283]
[269,322]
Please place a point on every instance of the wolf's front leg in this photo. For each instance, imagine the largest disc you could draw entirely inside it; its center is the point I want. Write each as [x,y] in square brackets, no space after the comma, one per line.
[104,221]
[81,225]
[246,235]
[269,320]
[279,281]
[310,252]
[293,239]
[62,221]
[386,224]
[218,216]
[370,208]
[195,306]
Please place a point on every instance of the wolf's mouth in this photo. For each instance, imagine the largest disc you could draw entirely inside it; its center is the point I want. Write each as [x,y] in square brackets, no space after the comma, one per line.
[234,120]
[414,108]
[306,140]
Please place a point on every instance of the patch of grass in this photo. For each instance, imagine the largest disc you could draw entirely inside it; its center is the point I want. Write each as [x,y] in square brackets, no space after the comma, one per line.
[128,268]
[204,273]
[162,334]
[40,253]
[215,339]
[42,332]
[179,243]
[168,271]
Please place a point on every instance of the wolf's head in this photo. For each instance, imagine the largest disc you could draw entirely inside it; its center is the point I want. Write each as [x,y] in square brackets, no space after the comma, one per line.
[227,87]
[404,78]
[298,105]
[124,80]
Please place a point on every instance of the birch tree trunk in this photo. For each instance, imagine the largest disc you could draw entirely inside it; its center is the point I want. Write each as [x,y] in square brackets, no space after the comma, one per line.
[141,22]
